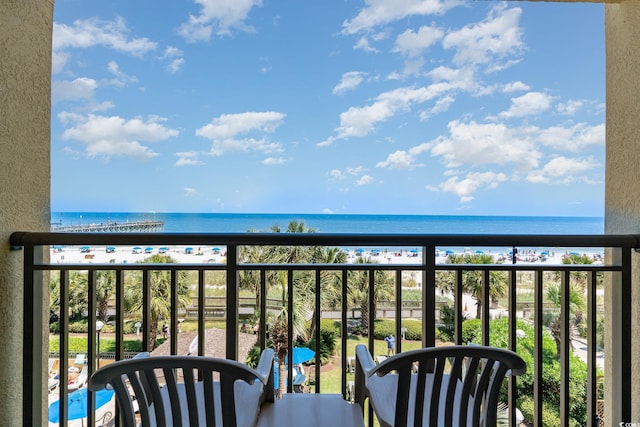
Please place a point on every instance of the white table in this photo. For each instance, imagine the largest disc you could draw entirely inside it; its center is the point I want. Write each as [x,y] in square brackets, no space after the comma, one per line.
[311,410]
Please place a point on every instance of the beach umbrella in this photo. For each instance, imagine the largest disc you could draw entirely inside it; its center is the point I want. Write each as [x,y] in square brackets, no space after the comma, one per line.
[85,249]
[449,252]
[163,249]
[111,249]
[479,252]
[148,250]
[414,251]
[77,404]
[301,355]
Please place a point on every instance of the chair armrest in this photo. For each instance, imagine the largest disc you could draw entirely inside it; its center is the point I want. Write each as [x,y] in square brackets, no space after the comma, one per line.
[265,371]
[364,367]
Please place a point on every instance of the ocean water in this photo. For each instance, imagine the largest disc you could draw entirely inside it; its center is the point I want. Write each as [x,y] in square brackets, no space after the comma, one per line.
[333,223]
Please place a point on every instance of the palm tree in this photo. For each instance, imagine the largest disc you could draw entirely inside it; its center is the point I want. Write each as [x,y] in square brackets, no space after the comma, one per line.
[160,303]
[472,280]
[358,290]
[105,287]
[576,305]
[280,339]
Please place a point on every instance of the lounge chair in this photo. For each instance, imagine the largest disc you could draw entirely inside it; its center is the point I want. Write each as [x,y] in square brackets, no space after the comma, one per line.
[80,381]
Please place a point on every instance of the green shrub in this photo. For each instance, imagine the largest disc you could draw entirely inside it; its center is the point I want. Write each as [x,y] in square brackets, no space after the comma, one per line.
[448,318]
[472,331]
[327,344]
[54,327]
[550,415]
[78,327]
[414,329]
[384,327]
[331,325]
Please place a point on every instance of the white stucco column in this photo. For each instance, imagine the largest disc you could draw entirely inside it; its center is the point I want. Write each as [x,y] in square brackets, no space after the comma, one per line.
[25,93]
[622,190]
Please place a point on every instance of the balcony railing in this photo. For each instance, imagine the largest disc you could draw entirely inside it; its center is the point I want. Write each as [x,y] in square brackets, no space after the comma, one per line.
[430,274]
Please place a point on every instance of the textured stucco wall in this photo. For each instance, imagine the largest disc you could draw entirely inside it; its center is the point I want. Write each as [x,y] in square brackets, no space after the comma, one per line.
[622,189]
[25,76]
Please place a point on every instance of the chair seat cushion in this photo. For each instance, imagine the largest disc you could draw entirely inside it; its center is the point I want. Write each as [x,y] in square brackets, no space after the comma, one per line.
[247,402]
[383,393]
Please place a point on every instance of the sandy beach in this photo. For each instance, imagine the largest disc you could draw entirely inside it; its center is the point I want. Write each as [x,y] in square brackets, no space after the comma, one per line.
[208,255]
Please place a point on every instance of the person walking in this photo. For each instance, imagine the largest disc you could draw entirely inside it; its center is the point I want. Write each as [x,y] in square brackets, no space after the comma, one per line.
[391,345]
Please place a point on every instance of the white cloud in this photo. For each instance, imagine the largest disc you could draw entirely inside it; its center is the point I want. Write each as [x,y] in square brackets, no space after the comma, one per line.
[440,106]
[114,136]
[466,187]
[562,170]
[349,81]
[570,107]
[515,87]
[365,180]
[381,12]
[496,37]
[274,161]
[412,43]
[58,61]
[360,121]
[224,131]
[188,158]
[189,192]
[121,79]
[355,170]
[219,17]
[328,211]
[175,59]
[363,44]
[528,104]
[93,32]
[574,138]
[402,159]
[336,174]
[480,144]
[80,88]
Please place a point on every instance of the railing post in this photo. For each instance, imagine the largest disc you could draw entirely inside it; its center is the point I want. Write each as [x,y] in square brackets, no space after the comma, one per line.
[429,296]
[34,339]
[232,302]
[618,343]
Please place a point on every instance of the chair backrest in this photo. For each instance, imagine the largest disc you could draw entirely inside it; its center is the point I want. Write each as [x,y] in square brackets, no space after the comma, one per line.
[186,390]
[452,385]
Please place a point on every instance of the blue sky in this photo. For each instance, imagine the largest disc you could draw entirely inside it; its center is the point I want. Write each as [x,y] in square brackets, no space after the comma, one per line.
[376,106]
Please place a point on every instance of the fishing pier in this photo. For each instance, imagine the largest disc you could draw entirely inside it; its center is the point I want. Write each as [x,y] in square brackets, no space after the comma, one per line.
[111,227]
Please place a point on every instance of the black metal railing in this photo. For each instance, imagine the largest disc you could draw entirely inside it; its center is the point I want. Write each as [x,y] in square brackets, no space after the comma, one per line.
[612,274]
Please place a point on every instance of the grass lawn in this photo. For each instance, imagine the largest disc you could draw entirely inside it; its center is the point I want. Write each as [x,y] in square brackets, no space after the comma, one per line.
[330,377]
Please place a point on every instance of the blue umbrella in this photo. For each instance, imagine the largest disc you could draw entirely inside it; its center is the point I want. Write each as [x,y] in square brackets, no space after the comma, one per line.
[301,355]
[479,252]
[77,404]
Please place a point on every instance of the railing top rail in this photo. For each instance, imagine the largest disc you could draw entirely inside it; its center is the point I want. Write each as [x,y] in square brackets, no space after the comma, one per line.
[19,239]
